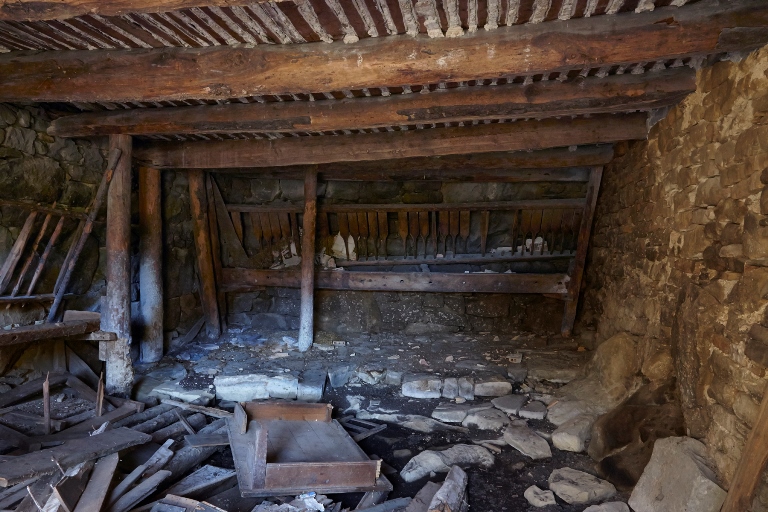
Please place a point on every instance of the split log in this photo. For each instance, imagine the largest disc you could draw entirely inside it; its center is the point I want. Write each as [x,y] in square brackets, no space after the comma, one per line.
[151,264]
[307,313]
[147,415]
[196,421]
[96,489]
[450,497]
[188,457]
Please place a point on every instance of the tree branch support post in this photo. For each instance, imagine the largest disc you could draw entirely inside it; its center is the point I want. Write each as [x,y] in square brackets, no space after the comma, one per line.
[306,318]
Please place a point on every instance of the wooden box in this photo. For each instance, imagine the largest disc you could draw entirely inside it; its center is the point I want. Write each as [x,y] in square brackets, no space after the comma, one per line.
[291,448]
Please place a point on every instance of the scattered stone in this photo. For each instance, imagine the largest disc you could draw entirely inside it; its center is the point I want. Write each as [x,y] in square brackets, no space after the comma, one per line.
[533,411]
[467,388]
[493,386]
[572,435]
[429,462]
[614,506]
[580,488]
[678,477]
[517,372]
[419,386]
[340,375]
[565,410]
[371,374]
[171,372]
[450,388]
[174,390]
[527,442]
[510,404]
[311,386]
[459,400]
[241,388]
[539,497]
[450,413]
[283,386]
[487,419]
[393,378]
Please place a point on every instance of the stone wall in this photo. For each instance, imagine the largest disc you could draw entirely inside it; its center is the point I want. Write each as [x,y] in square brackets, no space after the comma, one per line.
[679,253]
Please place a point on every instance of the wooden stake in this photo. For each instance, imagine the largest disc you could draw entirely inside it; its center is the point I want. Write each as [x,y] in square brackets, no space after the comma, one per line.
[151,264]
[308,261]
[100,396]
[750,468]
[198,201]
[6,272]
[32,253]
[47,404]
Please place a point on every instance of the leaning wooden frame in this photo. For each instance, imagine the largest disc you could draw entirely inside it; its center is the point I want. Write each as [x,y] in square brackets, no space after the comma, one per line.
[291,448]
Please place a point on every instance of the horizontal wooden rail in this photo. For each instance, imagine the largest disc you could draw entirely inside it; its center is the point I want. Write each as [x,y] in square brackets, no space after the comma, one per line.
[458,259]
[21,299]
[243,280]
[532,204]
[65,212]
[42,332]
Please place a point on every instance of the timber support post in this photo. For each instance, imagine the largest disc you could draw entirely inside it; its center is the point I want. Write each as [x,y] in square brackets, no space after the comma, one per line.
[116,313]
[582,244]
[306,319]
[150,264]
[198,200]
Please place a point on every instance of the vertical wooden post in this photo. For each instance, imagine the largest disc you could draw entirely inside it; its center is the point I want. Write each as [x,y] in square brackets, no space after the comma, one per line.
[151,264]
[582,244]
[116,314]
[306,318]
[198,201]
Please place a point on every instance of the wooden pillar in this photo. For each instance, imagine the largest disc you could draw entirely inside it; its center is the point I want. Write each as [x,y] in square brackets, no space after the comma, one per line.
[198,201]
[116,313]
[582,244]
[150,264]
[306,319]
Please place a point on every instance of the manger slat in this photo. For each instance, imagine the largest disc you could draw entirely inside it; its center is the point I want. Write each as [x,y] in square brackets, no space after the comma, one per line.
[139,492]
[321,477]
[70,489]
[68,454]
[98,485]
[241,279]
[31,333]
[201,481]
[264,411]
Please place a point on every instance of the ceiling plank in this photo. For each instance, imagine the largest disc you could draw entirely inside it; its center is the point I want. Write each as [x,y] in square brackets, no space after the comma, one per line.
[222,72]
[36,10]
[618,93]
[521,135]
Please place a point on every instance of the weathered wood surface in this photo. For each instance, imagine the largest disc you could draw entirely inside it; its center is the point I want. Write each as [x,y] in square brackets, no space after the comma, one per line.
[222,72]
[190,456]
[43,332]
[750,468]
[31,388]
[77,213]
[9,265]
[307,309]
[68,454]
[150,264]
[521,135]
[96,489]
[242,279]
[199,208]
[116,308]
[617,93]
[450,497]
[521,204]
[288,411]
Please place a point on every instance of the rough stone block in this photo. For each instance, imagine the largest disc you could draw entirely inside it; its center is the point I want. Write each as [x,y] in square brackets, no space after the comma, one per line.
[510,404]
[517,372]
[451,388]
[450,413]
[339,376]
[533,411]
[175,391]
[527,442]
[580,488]
[421,386]
[487,419]
[467,388]
[311,386]
[572,435]
[393,378]
[283,386]
[492,386]
[677,477]
[241,388]
[539,497]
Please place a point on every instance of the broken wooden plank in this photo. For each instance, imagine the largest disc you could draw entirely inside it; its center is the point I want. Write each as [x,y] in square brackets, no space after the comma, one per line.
[190,456]
[376,497]
[450,497]
[200,483]
[41,332]
[69,454]
[423,498]
[31,388]
[38,493]
[195,421]
[138,493]
[209,411]
[207,440]
[71,487]
[96,489]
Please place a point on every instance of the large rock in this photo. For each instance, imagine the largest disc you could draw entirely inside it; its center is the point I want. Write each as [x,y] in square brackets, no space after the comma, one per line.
[510,404]
[527,442]
[533,411]
[492,386]
[429,461]
[572,435]
[241,388]
[678,478]
[579,488]
[488,419]
[616,365]
[422,386]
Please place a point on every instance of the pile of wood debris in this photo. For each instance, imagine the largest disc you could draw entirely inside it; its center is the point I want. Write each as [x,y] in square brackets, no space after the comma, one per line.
[77,450]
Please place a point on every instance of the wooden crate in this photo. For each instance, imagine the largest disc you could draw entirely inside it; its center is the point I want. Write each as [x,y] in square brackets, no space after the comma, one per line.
[290,448]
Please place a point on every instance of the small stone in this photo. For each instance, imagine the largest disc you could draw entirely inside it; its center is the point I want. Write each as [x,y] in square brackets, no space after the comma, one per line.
[467,388]
[339,376]
[510,404]
[450,388]
[517,372]
[393,378]
[572,435]
[459,400]
[527,442]
[488,419]
[539,497]
[492,386]
[450,413]
[416,386]
[283,386]
[580,488]
[371,374]
[614,506]
[241,388]
[533,411]
[311,386]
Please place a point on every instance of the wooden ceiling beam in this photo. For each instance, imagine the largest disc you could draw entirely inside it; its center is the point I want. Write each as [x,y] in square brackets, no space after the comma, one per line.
[35,10]
[483,138]
[222,72]
[618,93]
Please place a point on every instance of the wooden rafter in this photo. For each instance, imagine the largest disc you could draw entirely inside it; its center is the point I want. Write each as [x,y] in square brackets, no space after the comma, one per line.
[522,135]
[223,72]
[618,93]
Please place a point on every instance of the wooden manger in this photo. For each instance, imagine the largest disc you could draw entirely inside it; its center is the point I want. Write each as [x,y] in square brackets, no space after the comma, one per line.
[290,448]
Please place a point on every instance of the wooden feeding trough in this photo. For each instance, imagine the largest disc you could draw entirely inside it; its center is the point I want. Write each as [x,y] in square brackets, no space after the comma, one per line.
[290,448]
